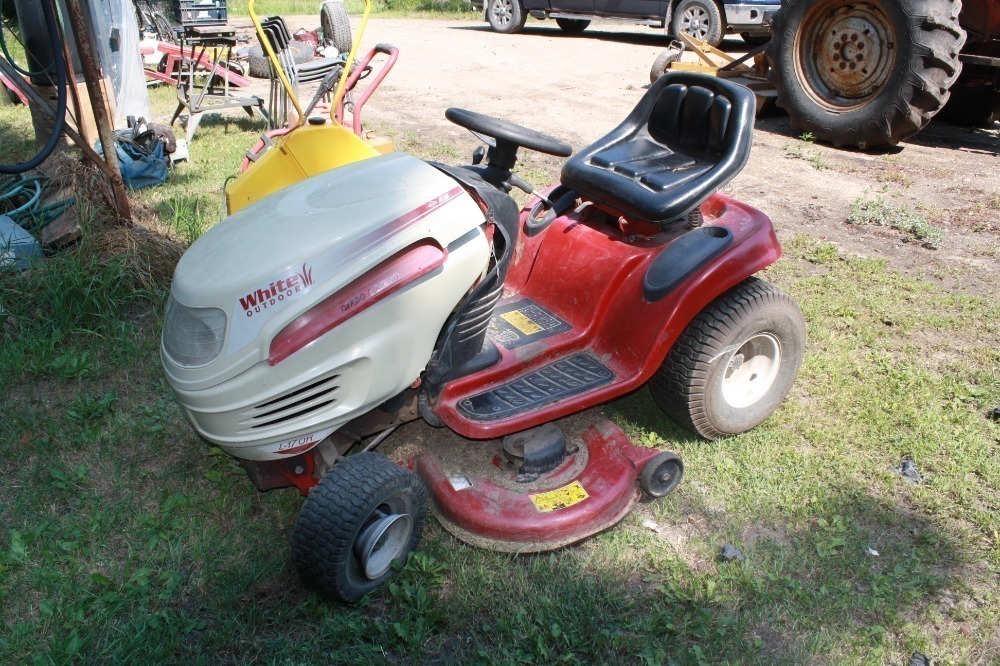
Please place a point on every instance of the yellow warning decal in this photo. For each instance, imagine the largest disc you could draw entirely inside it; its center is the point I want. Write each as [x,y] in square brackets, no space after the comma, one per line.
[521,322]
[560,498]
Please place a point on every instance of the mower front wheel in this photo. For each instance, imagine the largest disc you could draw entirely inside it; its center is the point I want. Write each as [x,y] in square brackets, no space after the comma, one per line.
[661,474]
[365,515]
[734,363]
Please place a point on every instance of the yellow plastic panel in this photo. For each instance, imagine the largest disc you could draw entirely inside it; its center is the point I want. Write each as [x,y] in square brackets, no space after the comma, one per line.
[380,143]
[302,153]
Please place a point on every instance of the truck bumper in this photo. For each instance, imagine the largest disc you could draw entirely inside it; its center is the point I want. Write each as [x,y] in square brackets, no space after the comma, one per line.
[750,18]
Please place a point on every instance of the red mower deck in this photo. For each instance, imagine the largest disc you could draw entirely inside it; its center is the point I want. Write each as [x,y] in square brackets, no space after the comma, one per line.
[477,498]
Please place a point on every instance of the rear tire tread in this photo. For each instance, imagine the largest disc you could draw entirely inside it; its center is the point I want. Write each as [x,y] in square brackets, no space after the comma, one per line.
[337,26]
[677,385]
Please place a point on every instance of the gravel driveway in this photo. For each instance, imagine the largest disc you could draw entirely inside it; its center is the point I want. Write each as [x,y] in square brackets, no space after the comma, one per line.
[578,87]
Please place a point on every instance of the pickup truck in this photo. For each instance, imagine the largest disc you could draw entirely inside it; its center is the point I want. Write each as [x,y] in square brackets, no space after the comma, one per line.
[707,20]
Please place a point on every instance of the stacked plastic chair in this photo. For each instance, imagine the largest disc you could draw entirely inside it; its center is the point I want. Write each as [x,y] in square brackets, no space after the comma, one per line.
[279,37]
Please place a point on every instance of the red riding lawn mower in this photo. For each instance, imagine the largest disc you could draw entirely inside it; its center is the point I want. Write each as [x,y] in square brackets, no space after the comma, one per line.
[313,322]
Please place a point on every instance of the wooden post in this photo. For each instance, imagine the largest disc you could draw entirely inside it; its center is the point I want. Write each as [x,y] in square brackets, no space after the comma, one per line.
[34,98]
[92,74]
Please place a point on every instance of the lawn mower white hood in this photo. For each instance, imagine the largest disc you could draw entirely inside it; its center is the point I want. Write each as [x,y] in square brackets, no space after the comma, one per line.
[277,259]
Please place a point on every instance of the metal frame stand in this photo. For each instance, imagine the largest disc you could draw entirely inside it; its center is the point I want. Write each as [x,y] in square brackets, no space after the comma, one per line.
[197,89]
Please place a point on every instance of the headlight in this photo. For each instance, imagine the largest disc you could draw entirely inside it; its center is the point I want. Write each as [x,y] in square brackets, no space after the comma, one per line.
[193,336]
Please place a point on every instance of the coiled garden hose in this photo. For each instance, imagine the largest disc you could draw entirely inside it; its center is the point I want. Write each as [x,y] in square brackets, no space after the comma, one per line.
[19,199]
[60,120]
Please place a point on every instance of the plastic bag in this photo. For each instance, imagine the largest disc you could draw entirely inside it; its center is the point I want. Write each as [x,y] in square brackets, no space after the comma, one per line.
[117,38]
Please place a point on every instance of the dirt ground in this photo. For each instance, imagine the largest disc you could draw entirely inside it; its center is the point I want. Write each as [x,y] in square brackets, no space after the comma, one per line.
[579,87]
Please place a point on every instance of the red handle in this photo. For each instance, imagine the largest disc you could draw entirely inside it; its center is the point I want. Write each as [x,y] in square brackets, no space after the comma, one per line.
[386,49]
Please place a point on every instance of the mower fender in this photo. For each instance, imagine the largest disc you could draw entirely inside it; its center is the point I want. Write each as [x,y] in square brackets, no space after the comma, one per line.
[607,321]
[752,249]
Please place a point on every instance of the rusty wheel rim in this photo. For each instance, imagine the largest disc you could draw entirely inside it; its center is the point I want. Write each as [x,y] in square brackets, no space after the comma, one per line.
[845,53]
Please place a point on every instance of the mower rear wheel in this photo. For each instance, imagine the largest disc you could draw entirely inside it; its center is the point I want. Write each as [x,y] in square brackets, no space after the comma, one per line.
[365,515]
[661,474]
[734,363]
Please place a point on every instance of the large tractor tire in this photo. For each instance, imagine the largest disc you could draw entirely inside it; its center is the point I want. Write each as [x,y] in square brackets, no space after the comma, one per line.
[864,73]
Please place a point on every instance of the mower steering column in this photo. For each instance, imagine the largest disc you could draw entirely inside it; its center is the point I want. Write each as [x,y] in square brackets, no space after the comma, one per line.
[504,139]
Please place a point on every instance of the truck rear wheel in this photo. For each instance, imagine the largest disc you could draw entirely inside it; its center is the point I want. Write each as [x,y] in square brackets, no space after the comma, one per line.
[865,73]
[572,26]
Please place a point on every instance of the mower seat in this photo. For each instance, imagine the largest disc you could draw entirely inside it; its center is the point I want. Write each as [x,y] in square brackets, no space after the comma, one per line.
[689,135]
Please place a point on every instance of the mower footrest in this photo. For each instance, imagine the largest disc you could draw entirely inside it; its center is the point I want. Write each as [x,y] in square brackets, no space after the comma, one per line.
[561,379]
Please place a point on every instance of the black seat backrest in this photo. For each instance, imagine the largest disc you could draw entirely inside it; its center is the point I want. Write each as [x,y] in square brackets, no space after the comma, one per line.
[690,116]
[688,136]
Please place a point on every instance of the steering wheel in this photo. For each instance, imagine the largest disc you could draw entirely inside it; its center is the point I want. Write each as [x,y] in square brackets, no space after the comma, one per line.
[507,132]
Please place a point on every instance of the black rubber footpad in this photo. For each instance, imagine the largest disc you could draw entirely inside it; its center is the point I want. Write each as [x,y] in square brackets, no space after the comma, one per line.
[562,379]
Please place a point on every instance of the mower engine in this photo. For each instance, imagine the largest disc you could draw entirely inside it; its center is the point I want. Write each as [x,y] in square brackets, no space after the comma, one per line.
[243,342]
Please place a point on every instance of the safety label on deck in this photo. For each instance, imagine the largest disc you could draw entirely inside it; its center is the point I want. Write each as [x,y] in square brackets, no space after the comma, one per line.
[560,498]
[522,322]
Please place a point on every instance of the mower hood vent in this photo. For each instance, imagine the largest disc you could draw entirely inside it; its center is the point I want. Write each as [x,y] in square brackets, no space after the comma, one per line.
[297,403]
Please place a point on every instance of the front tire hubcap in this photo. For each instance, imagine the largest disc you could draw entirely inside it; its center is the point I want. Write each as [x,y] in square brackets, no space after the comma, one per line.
[382,541]
[695,22]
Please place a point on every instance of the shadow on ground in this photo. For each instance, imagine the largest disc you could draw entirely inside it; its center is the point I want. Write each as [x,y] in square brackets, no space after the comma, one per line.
[655,37]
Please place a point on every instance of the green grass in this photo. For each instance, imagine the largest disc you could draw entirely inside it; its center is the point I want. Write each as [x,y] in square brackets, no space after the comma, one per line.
[876,210]
[805,149]
[125,538]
